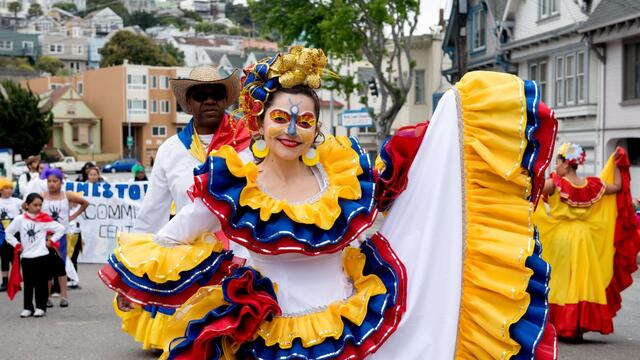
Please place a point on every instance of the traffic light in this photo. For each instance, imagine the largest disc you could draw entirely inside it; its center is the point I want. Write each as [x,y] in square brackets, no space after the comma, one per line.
[373,87]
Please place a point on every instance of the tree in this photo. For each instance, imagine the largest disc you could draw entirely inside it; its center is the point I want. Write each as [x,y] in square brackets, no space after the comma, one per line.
[190,14]
[239,14]
[138,49]
[15,7]
[143,19]
[205,27]
[380,31]
[49,64]
[24,127]
[35,10]
[69,7]
[174,52]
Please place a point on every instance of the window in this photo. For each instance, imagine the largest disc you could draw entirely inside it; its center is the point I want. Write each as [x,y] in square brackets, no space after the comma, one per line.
[80,88]
[570,85]
[419,87]
[78,50]
[478,36]
[56,49]
[159,131]
[6,45]
[75,134]
[71,108]
[164,82]
[632,70]
[27,45]
[137,106]
[538,73]
[154,82]
[137,81]
[559,80]
[154,106]
[547,8]
[164,106]
[81,134]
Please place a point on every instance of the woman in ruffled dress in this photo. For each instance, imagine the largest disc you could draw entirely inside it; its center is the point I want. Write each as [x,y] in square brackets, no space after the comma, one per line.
[590,239]
[455,270]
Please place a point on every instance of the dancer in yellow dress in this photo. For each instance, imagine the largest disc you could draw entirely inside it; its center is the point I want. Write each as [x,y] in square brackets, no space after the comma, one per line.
[454,271]
[589,237]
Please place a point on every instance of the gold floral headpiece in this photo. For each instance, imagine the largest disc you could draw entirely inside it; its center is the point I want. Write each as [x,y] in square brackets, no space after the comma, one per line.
[301,66]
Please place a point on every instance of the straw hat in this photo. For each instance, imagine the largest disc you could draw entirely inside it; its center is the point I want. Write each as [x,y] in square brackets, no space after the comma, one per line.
[206,75]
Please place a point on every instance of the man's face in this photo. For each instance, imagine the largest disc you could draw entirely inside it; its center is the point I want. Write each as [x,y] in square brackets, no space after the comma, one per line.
[206,103]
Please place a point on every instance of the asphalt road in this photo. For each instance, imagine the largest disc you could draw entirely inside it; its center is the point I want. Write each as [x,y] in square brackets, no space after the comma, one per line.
[88,329]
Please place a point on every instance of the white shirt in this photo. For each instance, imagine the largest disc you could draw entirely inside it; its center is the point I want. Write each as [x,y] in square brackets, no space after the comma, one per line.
[35,185]
[33,235]
[58,209]
[171,177]
[10,208]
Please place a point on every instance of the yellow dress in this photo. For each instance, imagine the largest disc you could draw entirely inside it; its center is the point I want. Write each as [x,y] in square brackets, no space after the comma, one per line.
[577,230]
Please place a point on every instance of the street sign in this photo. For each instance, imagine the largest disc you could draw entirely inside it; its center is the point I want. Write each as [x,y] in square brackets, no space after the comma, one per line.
[356,118]
[129,142]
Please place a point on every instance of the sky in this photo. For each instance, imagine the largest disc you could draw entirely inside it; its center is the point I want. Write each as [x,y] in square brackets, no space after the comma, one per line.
[429,14]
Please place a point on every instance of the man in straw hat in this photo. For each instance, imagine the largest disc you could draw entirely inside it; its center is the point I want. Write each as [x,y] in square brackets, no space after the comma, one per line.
[206,94]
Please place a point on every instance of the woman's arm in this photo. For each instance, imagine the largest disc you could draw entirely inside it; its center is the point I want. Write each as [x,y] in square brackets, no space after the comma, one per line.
[76,199]
[616,186]
[549,187]
[191,221]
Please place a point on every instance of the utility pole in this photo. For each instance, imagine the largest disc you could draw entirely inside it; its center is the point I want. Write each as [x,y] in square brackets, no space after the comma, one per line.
[461,7]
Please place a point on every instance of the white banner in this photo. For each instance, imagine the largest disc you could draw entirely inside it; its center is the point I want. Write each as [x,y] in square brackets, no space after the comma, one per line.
[113,208]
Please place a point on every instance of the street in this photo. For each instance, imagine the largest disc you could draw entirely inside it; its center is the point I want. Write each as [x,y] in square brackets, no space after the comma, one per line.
[88,329]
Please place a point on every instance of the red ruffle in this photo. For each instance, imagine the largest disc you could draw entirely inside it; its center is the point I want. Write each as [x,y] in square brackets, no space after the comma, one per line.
[113,280]
[547,348]
[572,320]
[286,244]
[255,307]
[401,149]
[392,316]
[546,136]
[228,133]
[626,238]
[583,196]
[15,277]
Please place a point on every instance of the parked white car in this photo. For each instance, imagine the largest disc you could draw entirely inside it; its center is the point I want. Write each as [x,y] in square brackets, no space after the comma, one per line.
[69,165]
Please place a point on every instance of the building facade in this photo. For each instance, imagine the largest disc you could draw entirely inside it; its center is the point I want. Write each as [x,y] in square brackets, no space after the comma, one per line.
[542,39]
[613,33]
[14,44]
[132,101]
[73,51]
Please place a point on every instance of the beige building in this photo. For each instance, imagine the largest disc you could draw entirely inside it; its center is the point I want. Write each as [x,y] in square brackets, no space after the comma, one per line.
[131,100]
[76,128]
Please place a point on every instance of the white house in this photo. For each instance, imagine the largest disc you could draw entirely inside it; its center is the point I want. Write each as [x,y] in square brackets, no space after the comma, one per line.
[613,32]
[104,21]
[543,41]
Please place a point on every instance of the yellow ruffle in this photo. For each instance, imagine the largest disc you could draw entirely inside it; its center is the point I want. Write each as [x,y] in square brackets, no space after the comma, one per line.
[313,329]
[499,233]
[339,161]
[143,256]
[143,328]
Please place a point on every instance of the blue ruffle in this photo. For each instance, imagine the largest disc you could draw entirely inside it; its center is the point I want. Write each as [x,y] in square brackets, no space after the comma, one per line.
[532,95]
[201,274]
[223,186]
[529,329]
[195,327]
[330,347]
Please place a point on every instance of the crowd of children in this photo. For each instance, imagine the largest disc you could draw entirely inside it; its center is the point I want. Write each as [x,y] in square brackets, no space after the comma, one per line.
[37,240]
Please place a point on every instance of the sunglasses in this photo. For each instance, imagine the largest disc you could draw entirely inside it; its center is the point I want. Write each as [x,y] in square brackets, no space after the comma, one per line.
[201,95]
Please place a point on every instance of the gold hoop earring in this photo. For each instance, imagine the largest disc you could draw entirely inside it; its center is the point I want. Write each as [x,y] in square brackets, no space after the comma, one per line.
[260,149]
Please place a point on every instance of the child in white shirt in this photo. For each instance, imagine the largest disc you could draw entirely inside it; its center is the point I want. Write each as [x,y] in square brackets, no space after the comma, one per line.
[34,227]
[10,208]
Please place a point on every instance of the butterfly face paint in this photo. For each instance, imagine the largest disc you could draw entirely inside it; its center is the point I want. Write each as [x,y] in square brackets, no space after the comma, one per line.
[293,123]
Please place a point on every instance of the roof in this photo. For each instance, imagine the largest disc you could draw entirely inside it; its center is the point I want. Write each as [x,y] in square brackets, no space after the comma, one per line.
[215,55]
[236,60]
[610,13]
[49,98]
[327,103]
[198,41]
